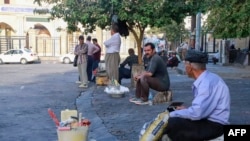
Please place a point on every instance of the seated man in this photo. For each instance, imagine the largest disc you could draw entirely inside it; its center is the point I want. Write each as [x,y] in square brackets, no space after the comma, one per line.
[172,61]
[130,60]
[210,108]
[155,77]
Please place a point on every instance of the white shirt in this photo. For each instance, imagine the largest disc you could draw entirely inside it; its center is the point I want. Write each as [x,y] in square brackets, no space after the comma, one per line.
[217,55]
[113,44]
[184,46]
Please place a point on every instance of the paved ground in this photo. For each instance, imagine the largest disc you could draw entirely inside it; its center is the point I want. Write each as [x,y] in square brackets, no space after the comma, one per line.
[116,119]
[27,91]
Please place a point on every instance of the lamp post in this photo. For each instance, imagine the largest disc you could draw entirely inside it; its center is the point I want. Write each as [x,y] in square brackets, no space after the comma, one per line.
[198,31]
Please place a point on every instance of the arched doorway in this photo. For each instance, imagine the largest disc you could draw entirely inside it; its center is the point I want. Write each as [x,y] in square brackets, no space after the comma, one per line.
[6,29]
[44,42]
[42,30]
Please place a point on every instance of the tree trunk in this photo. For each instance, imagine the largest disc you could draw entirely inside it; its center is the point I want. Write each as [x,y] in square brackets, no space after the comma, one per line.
[136,69]
[193,26]
[139,52]
[193,23]
[138,39]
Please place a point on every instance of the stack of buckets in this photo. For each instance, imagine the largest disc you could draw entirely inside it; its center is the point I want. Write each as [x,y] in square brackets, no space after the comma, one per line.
[78,132]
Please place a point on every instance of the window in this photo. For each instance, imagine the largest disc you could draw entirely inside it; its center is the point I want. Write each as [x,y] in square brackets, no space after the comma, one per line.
[6,1]
[9,52]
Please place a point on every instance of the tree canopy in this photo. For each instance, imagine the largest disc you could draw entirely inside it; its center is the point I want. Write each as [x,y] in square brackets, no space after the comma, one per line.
[138,14]
[229,19]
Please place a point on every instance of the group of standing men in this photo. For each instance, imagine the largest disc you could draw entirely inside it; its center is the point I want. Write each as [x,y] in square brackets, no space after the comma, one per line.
[88,58]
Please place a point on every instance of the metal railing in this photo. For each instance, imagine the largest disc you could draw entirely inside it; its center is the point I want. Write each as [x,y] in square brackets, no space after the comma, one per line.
[44,46]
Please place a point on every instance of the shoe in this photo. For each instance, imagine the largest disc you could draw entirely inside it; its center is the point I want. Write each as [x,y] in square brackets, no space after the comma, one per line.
[142,102]
[78,82]
[83,86]
[134,99]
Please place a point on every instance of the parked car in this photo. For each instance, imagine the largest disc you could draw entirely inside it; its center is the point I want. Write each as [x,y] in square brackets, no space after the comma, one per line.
[22,56]
[67,58]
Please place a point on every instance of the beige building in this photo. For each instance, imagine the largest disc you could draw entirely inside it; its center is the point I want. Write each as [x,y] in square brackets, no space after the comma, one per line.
[208,39]
[21,27]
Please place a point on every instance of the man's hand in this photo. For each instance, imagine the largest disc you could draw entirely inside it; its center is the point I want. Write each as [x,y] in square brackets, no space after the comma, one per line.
[180,107]
[137,77]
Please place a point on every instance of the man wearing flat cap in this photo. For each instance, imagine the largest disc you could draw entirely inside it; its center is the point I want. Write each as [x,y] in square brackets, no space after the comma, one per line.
[210,108]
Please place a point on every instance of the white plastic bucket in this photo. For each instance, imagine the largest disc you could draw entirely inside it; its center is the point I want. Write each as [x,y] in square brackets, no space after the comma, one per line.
[75,134]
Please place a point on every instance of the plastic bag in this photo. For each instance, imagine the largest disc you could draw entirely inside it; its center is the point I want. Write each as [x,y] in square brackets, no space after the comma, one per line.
[152,131]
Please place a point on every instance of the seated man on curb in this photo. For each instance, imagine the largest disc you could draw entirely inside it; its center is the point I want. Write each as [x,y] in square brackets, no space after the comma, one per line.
[155,77]
[173,61]
[210,108]
[130,60]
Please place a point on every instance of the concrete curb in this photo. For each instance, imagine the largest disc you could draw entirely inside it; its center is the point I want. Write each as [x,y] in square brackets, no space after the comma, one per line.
[97,130]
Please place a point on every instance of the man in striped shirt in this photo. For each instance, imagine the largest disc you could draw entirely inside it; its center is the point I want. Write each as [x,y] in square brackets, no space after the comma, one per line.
[81,50]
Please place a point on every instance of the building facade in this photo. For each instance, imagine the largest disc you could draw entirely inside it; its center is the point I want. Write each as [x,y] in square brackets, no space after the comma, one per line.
[21,27]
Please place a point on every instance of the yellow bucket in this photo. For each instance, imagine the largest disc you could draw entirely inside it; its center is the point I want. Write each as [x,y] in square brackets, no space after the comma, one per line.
[75,134]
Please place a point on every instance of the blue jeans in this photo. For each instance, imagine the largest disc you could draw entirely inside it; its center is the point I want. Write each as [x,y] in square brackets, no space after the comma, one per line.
[95,66]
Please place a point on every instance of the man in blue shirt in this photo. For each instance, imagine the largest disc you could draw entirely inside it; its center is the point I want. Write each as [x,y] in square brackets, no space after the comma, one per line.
[210,108]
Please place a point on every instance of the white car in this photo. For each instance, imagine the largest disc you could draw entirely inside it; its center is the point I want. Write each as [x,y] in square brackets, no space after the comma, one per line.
[67,58]
[22,56]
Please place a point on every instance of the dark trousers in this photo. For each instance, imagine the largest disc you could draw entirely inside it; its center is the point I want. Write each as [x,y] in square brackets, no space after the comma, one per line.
[95,66]
[180,129]
[146,82]
[89,67]
[124,73]
[215,60]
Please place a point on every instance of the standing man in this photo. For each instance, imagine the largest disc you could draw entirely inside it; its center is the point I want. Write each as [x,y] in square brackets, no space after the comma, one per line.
[210,108]
[81,50]
[112,57]
[184,50]
[96,57]
[92,49]
[155,77]
[130,60]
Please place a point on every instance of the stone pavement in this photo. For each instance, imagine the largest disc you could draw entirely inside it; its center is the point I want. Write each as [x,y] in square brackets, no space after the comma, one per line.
[229,71]
[116,119]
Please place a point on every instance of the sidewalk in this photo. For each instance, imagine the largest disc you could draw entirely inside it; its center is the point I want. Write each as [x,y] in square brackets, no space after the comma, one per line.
[230,71]
[117,119]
